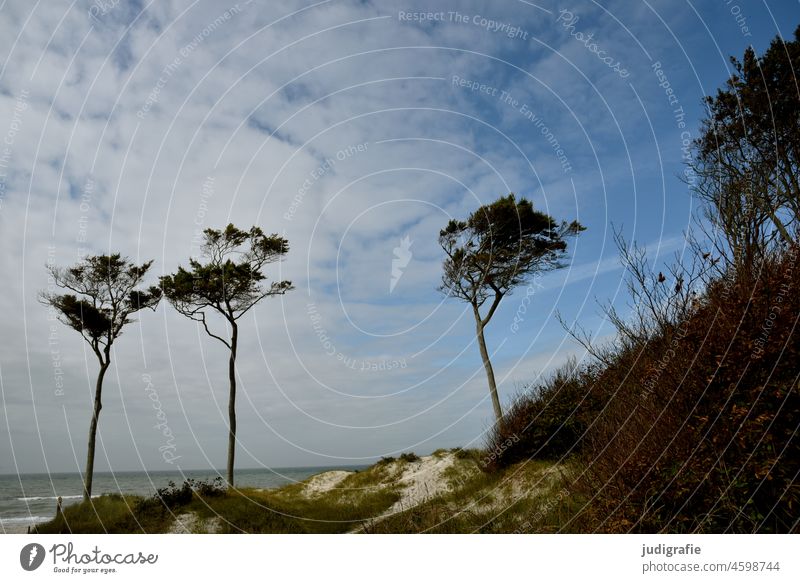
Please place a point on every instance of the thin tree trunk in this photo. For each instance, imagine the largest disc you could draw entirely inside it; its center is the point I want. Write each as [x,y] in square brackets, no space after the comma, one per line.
[487,364]
[98,405]
[232,404]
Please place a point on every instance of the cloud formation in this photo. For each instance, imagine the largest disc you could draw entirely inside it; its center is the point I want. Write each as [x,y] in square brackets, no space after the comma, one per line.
[348,128]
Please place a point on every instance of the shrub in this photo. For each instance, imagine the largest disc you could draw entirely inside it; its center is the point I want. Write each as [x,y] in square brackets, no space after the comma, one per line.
[212,489]
[173,496]
[467,454]
[699,434]
[409,457]
[547,421]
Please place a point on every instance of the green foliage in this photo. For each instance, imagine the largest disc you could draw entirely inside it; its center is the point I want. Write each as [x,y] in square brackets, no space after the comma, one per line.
[747,158]
[235,511]
[527,497]
[172,496]
[467,454]
[112,514]
[204,489]
[499,246]
[409,457]
[102,295]
[230,281]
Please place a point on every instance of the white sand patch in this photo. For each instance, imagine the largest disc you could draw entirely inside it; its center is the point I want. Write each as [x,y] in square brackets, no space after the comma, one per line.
[324,482]
[421,480]
[184,524]
[191,523]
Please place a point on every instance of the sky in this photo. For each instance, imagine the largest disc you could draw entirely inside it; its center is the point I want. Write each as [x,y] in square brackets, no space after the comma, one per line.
[356,130]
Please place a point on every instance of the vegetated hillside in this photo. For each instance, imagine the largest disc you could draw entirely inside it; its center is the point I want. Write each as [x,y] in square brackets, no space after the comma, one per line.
[689,425]
[448,491]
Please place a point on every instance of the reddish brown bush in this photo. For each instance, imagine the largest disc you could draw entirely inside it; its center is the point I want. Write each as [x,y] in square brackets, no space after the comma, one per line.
[699,431]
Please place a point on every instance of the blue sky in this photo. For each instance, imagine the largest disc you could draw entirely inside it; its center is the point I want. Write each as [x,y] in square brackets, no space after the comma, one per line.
[347,127]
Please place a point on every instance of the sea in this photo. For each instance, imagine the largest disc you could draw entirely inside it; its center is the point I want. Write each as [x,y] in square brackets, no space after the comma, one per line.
[26,499]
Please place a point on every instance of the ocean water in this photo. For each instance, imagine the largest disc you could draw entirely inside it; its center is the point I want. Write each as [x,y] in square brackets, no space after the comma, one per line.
[30,498]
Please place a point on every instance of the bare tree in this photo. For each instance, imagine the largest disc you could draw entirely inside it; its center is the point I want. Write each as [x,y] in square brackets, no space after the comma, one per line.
[660,300]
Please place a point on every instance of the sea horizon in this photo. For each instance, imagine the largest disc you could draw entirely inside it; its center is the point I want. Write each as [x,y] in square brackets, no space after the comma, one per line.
[220,471]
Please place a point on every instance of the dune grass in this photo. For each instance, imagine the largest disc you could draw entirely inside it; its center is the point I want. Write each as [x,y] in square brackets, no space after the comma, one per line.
[527,497]
[110,513]
[530,497]
[361,496]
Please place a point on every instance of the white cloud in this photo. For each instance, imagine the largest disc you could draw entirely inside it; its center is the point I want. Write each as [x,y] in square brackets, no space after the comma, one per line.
[258,96]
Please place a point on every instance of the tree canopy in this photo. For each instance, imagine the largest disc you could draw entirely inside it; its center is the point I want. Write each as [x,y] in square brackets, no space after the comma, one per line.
[231,281]
[104,296]
[499,246]
[747,158]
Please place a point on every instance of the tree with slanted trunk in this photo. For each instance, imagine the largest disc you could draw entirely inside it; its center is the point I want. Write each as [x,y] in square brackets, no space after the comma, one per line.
[228,284]
[103,298]
[496,249]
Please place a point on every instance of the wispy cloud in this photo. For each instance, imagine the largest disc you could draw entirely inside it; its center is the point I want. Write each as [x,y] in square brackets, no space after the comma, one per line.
[132,126]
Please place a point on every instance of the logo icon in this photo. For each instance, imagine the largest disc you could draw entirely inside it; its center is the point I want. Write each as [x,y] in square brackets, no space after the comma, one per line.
[401,259]
[31,556]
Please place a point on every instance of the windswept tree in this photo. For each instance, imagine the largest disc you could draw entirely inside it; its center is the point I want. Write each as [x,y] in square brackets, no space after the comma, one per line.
[228,284]
[746,161]
[497,248]
[101,296]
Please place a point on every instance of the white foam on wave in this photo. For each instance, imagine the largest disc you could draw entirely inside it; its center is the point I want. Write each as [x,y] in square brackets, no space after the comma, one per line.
[18,519]
[38,498]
